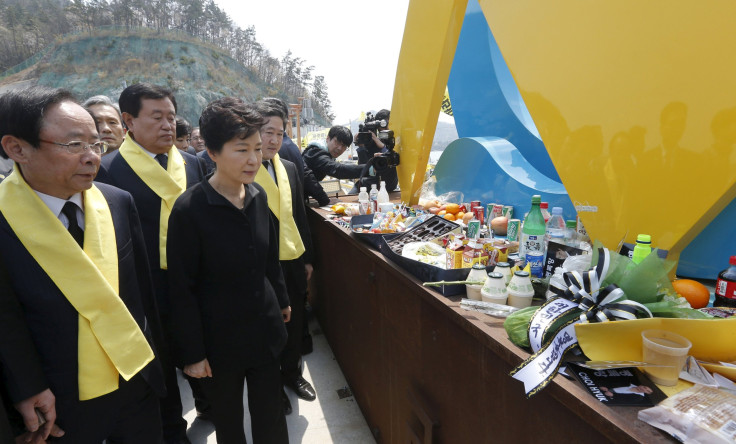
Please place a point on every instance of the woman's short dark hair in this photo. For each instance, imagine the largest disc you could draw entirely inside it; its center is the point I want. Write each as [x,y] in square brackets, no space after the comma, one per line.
[227,118]
[131,99]
[22,111]
[183,128]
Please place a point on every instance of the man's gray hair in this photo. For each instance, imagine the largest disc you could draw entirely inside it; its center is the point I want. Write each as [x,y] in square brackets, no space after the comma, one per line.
[102,100]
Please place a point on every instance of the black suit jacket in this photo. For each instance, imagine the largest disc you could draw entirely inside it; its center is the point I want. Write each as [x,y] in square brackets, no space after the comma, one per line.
[226,283]
[38,325]
[114,170]
[291,152]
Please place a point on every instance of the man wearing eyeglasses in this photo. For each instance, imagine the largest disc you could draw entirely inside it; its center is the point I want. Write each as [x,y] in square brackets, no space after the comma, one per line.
[150,167]
[77,311]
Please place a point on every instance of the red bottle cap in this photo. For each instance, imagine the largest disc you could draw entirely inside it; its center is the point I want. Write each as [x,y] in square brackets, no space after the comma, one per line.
[732,261]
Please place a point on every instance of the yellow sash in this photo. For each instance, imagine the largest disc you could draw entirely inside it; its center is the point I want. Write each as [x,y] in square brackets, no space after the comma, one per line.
[166,186]
[110,342]
[290,242]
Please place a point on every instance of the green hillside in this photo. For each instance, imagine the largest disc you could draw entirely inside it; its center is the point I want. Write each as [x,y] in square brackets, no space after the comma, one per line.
[105,61]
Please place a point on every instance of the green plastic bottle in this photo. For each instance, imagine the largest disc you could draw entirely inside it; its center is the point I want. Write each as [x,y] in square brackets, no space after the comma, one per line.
[532,234]
[642,248]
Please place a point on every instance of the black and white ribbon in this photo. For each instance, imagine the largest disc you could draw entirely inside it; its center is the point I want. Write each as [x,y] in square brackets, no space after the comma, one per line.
[580,293]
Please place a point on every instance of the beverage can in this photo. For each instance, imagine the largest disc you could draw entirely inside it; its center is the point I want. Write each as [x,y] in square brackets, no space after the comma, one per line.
[497,211]
[478,213]
[513,229]
[473,204]
[489,210]
[508,212]
[535,259]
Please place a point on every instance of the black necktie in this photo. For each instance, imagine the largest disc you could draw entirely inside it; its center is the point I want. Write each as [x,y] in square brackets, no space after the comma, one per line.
[266,163]
[162,160]
[70,211]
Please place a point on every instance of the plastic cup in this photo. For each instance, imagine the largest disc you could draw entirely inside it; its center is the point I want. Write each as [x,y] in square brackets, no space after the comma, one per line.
[667,349]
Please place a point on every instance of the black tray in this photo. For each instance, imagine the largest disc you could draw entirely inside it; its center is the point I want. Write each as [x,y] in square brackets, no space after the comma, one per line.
[372,239]
[428,273]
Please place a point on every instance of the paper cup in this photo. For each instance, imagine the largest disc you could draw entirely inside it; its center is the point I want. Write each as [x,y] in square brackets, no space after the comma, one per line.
[664,348]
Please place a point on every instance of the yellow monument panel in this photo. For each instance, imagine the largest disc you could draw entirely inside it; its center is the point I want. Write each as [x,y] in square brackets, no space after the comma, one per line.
[428,47]
[636,104]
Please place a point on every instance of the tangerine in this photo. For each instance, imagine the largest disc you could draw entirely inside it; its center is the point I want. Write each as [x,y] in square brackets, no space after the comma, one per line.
[449,216]
[696,293]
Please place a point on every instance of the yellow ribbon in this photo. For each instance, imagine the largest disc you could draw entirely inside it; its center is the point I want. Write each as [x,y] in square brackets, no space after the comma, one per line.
[168,185]
[290,242]
[110,341]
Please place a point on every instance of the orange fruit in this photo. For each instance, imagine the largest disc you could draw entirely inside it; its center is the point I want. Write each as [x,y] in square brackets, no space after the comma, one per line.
[459,215]
[452,208]
[449,216]
[442,213]
[696,293]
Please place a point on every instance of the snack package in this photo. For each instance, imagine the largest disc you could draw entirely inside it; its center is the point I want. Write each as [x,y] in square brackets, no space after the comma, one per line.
[699,414]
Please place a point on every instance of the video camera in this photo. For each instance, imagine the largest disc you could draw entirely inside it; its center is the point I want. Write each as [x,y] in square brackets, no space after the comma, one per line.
[371,125]
[365,138]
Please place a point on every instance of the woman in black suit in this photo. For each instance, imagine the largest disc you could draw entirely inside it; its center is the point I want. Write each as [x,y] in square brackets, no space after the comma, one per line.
[228,297]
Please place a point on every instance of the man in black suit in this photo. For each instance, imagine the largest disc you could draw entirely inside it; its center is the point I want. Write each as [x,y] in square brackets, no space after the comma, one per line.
[150,168]
[77,312]
[279,176]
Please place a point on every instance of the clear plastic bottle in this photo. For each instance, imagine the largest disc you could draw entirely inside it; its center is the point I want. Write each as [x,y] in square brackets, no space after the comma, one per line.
[374,198]
[364,201]
[544,206]
[532,234]
[726,286]
[555,227]
[382,193]
[571,234]
[642,248]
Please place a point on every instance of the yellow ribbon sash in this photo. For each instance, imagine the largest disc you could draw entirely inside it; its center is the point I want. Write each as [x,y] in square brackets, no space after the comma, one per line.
[110,341]
[168,185]
[290,242]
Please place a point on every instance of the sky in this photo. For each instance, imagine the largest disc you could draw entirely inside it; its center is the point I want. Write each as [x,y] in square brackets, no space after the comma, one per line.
[354,44]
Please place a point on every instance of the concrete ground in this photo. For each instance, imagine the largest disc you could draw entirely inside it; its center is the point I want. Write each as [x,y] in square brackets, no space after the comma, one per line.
[334,417]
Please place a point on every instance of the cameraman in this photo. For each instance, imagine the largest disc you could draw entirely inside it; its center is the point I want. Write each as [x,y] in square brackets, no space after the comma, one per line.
[320,157]
[367,150]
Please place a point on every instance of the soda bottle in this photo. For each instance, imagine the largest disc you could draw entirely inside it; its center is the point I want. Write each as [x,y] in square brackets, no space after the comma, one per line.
[532,234]
[544,206]
[726,286]
[555,227]
[571,234]
[374,198]
[642,248]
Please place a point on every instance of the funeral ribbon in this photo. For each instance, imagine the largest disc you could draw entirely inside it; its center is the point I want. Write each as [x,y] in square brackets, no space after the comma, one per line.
[579,300]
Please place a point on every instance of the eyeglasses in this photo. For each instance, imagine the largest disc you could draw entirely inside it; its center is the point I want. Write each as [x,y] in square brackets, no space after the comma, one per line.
[78,147]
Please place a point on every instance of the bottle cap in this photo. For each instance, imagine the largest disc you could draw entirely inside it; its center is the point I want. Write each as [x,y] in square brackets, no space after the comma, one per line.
[383,183]
[361,189]
[544,205]
[495,275]
[536,199]
[557,210]
[571,224]
[732,261]
[479,266]
[373,185]
[521,273]
[506,264]
[644,239]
